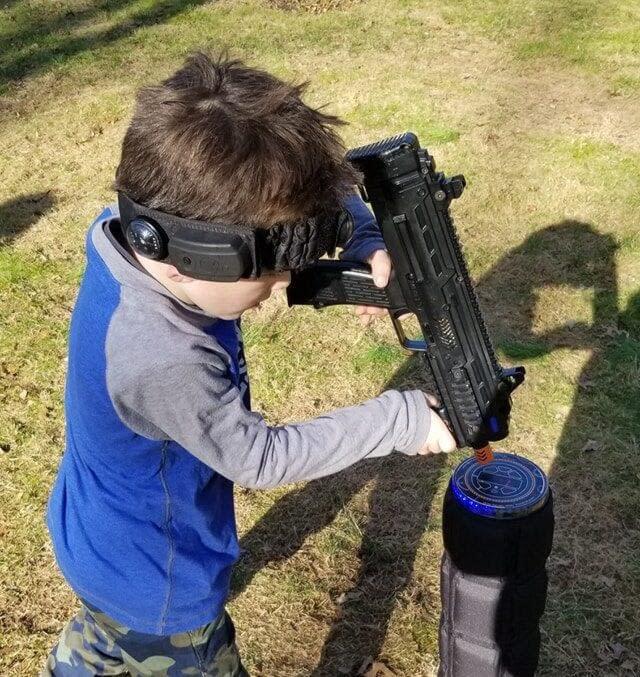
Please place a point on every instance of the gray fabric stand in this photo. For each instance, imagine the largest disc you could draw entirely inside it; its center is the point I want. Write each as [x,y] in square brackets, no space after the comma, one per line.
[493,582]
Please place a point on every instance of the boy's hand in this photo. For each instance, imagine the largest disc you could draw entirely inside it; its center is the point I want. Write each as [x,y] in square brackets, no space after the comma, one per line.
[439,440]
[380,263]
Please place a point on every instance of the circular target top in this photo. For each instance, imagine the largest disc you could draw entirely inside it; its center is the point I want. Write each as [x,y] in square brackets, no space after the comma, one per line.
[507,487]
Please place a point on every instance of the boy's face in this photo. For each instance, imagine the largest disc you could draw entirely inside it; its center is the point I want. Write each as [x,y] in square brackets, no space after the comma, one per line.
[228,300]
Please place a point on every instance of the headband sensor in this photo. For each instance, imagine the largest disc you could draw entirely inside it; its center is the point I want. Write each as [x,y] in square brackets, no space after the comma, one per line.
[220,252]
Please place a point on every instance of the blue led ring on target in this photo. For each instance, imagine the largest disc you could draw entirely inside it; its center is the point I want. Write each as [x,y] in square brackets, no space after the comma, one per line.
[508,487]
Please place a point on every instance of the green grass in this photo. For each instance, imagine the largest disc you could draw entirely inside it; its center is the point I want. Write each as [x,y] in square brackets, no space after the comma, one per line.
[600,38]
[536,103]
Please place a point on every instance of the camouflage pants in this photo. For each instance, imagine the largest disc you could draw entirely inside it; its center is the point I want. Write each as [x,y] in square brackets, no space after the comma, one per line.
[92,643]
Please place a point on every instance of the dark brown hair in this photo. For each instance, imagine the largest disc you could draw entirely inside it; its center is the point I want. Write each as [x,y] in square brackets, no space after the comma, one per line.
[219,140]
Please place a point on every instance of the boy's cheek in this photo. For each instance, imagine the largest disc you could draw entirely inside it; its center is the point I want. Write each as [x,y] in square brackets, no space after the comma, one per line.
[229,301]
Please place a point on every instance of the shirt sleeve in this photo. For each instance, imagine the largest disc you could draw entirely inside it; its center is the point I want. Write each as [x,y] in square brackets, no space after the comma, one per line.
[366,237]
[203,411]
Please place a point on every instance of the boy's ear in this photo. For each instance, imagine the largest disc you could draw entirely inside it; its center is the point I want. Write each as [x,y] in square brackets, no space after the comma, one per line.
[176,276]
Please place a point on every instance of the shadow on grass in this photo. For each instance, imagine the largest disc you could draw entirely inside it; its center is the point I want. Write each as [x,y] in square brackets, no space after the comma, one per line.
[21,213]
[596,495]
[594,577]
[7,4]
[397,517]
[41,40]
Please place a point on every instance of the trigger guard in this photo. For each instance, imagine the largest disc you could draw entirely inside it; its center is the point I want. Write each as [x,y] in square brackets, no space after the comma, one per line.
[413,345]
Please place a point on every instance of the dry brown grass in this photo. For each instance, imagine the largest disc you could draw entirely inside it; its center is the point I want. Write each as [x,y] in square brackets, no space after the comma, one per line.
[311,6]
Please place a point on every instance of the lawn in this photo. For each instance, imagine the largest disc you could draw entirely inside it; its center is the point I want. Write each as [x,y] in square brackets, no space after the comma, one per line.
[538,103]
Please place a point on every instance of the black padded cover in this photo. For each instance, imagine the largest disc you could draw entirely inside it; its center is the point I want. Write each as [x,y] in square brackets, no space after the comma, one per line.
[493,588]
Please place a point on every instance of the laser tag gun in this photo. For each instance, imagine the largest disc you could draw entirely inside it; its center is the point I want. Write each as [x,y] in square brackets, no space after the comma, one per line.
[430,279]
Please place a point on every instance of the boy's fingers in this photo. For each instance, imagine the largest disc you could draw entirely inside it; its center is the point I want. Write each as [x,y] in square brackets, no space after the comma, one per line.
[371,311]
[449,443]
[432,400]
[380,263]
[439,440]
[444,438]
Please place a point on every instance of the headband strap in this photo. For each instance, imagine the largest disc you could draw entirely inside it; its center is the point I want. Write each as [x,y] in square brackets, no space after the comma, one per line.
[219,251]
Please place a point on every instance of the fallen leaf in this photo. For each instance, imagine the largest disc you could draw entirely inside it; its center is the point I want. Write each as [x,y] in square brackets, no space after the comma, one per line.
[605,657]
[617,650]
[371,668]
[613,332]
[563,561]
[591,445]
[585,382]
[611,652]
[562,412]
[346,596]
[366,663]
[606,580]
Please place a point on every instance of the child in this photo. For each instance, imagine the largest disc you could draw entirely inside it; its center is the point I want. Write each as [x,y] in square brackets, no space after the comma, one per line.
[157,401]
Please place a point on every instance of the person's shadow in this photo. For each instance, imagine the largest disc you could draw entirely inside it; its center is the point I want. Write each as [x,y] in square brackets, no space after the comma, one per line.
[20,213]
[398,508]
[34,42]
[569,253]
[590,623]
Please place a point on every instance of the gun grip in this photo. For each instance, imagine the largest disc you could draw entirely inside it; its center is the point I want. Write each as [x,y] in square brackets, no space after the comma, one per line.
[330,283]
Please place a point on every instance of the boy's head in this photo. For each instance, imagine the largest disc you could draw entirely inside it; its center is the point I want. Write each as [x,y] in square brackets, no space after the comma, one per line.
[219,141]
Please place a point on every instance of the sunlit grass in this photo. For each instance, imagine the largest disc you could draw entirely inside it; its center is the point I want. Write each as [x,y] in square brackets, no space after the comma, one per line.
[533,102]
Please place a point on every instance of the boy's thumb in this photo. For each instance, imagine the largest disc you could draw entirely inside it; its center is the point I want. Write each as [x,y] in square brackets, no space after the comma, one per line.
[380,267]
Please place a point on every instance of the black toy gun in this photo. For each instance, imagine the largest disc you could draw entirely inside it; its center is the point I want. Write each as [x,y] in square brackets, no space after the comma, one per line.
[410,201]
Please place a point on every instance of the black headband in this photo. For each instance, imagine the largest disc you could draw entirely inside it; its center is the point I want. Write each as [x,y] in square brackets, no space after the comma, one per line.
[218,251]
